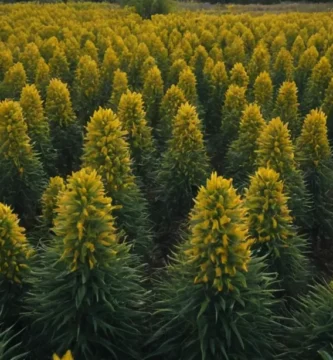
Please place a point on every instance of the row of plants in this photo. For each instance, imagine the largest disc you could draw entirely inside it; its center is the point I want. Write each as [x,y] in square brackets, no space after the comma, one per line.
[166,185]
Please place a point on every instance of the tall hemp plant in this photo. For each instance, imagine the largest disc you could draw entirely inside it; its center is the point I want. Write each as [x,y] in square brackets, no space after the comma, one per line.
[271,226]
[214,301]
[107,151]
[22,176]
[87,284]
[315,157]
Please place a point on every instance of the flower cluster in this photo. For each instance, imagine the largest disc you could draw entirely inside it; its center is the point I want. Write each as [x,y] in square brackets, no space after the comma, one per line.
[14,249]
[84,221]
[219,242]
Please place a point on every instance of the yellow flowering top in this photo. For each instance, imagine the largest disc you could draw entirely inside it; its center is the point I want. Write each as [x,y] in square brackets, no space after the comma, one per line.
[106,150]
[153,88]
[58,105]
[42,77]
[87,77]
[172,100]
[14,140]
[84,221]
[32,108]
[238,76]
[133,118]
[68,356]
[260,61]
[286,106]
[275,149]
[308,60]
[313,146]
[235,99]
[186,136]
[50,198]
[14,249]
[219,242]
[188,84]
[15,79]
[263,89]
[119,87]
[284,66]
[269,217]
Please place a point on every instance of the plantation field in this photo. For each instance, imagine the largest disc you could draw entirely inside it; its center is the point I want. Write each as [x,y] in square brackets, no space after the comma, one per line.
[166,185]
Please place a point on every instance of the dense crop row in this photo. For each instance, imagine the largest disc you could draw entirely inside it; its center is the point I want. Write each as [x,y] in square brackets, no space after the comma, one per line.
[165,185]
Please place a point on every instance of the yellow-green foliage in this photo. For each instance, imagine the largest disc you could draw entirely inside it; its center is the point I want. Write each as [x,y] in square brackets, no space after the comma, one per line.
[14,81]
[234,104]
[109,66]
[187,138]
[6,61]
[318,83]
[234,51]
[188,84]
[107,151]
[298,48]
[58,105]
[260,61]
[313,146]
[90,49]
[87,85]
[14,140]
[283,67]
[275,149]
[263,92]
[269,217]
[50,199]
[67,356]
[133,119]
[286,107]
[172,100]
[84,222]
[14,250]
[219,242]
[119,87]
[175,69]
[242,153]
[42,78]
[33,112]
[152,93]
[238,76]
[278,43]
[327,107]
[30,58]
[305,65]
[59,67]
